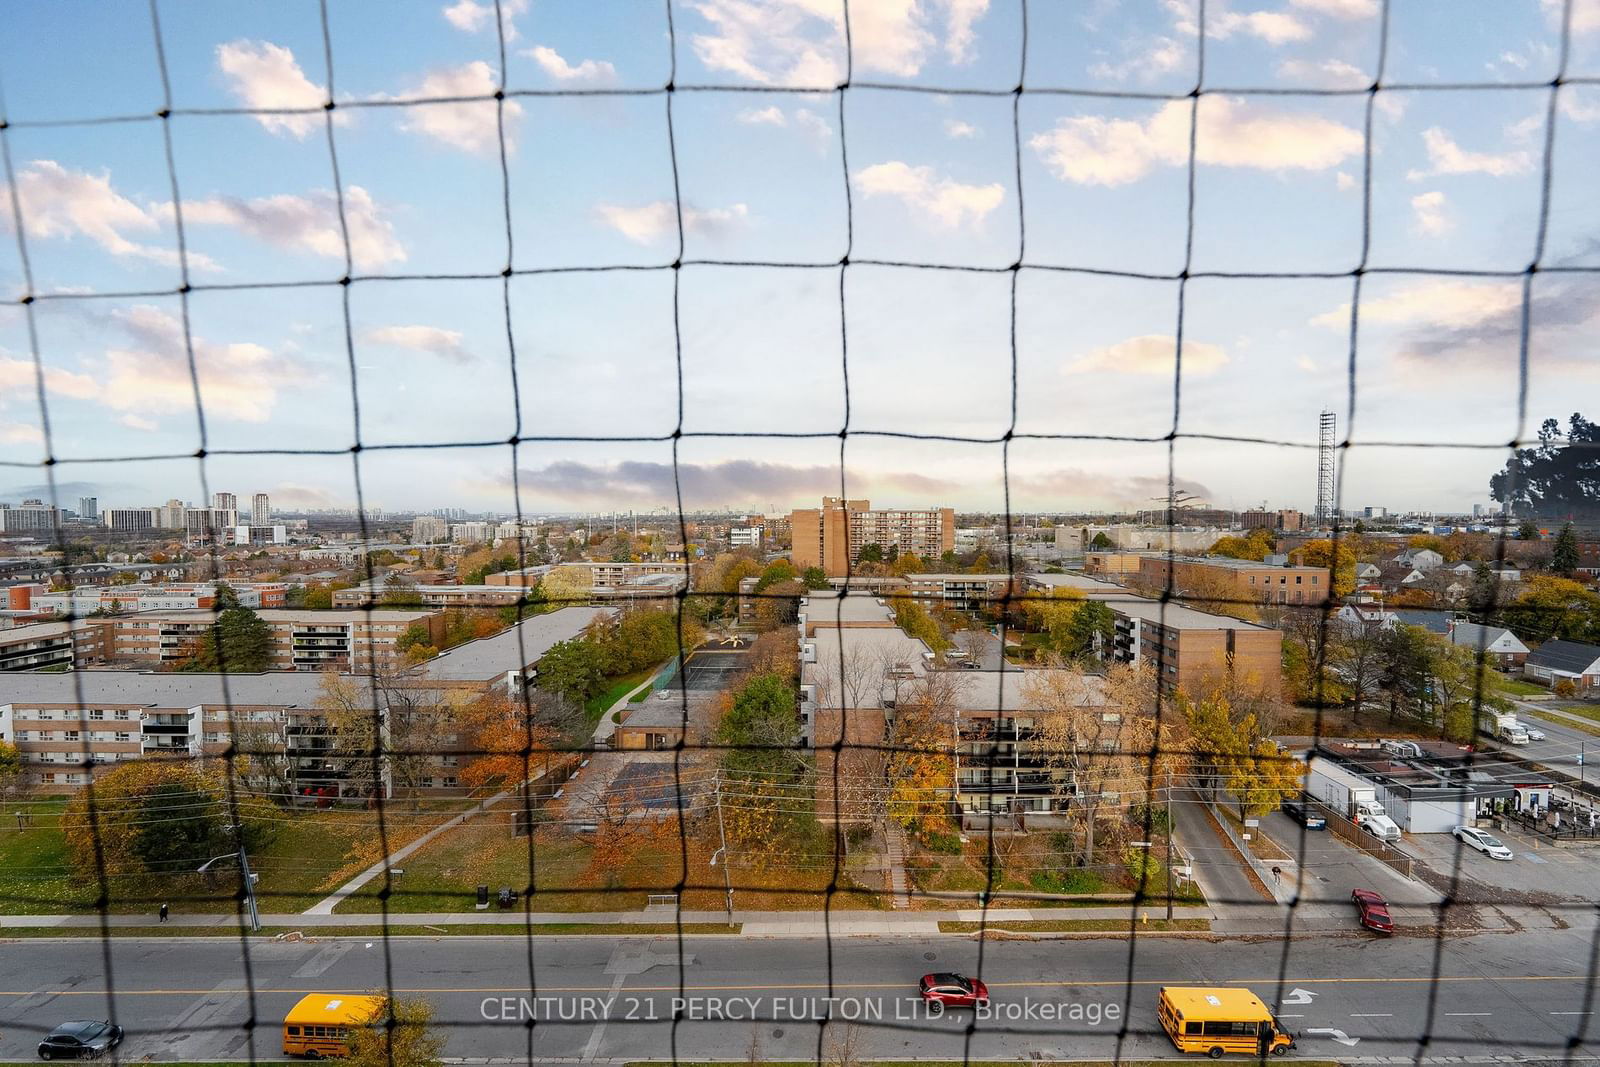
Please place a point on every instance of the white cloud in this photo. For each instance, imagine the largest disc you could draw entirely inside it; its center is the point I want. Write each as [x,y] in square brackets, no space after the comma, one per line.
[647,223]
[308,224]
[1160,55]
[17,378]
[1391,105]
[1307,364]
[955,129]
[471,126]
[943,201]
[470,16]
[1092,150]
[1438,303]
[1429,215]
[151,375]
[1328,73]
[1585,14]
[1151,354]
[1345,182]
[764,116]
[446,344]
[20,433]
[1580,103]
[265,75]
[139,422]
[587,72]
[57,201]
[813,123]
[801,42]
[1447,157]
[1273,27]
[1339,9]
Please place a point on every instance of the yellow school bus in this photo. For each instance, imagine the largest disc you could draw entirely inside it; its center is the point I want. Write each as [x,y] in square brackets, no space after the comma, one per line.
[1215,1020]
[319,1025]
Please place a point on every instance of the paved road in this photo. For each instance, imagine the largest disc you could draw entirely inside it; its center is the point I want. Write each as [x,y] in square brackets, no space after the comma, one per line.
[1520,995]
[1562,744]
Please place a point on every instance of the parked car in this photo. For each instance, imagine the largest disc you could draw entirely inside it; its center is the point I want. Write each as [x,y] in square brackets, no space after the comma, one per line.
[1302,812]
[951,990]
[1486,843]
[82,1037]
[1372,910]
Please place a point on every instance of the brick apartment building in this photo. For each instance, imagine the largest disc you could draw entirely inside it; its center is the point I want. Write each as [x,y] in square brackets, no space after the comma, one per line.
[832,536]
[1241,580]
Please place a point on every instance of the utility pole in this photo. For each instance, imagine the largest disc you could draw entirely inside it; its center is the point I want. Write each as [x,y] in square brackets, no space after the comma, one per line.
[1171,829]
[722,833]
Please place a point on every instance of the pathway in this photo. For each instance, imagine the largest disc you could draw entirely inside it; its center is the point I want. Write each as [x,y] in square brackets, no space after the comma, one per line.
[608,721]
[895,848]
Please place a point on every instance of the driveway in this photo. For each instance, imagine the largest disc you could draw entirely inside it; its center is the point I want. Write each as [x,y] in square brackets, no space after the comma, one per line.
[1325,869]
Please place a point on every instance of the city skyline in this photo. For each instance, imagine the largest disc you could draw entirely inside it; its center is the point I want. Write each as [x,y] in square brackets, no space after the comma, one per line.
[1087,391]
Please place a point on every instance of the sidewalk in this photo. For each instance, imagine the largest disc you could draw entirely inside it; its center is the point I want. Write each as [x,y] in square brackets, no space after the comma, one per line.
[759,923]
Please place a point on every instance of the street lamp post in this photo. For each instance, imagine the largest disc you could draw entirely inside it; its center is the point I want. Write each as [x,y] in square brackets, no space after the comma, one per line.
[248,880]
[722,833]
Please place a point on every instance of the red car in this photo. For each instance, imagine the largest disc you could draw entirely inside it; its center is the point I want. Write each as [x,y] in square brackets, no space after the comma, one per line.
[1373,911]
[950,990]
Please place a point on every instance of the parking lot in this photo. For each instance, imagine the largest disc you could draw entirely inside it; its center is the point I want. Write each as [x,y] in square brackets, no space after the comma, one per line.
[1538,873]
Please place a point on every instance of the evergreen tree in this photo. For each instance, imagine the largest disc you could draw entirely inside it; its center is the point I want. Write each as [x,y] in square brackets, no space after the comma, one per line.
[239,642]
[1564,553]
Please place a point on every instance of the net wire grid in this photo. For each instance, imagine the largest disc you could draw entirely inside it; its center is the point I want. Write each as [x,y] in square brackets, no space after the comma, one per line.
[690,788]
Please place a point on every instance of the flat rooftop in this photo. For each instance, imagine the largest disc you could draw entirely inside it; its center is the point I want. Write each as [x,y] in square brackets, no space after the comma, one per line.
[822,608]
[163,690]
[513,650]
[1175,615]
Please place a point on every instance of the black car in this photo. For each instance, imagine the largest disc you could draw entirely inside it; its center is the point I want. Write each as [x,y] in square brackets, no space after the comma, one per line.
[1302,813]
[85,1037]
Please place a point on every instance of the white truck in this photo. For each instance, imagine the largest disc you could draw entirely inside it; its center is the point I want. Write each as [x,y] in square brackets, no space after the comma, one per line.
[1349,795]
[1508,729]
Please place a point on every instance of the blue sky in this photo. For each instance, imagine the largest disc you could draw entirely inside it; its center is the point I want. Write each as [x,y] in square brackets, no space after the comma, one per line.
[933,178]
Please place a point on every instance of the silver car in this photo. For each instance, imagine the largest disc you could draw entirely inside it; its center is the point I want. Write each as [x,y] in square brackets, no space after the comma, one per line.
[1486,843]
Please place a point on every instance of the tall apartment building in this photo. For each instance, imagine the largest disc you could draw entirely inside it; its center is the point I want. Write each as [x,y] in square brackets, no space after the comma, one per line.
[209,525]
[225,501]
[31,517]
[89,508]
[260,509]
[470,533]
[1240,580]
[130,520]
[1285,519]
[429,530]
[832,537]
[172,515]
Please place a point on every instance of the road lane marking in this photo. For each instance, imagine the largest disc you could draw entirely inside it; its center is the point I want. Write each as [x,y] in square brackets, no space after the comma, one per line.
[1572,1013]
[1465,1014]
[714,987]
[1372,1015]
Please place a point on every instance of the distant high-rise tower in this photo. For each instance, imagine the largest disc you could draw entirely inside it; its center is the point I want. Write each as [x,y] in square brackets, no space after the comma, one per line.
[260,509]
[89,508]
[225,501]
[1325,467]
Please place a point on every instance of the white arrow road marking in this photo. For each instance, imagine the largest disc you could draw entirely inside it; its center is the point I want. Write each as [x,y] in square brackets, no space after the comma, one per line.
[1338,1035]
[1298,996]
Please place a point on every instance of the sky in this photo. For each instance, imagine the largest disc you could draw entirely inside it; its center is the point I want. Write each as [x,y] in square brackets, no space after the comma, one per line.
[1082,180]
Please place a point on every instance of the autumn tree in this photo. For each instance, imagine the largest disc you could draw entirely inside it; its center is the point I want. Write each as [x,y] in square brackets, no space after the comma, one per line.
[570,584]
[921,761]
[1232,752]
[814,578]
[1358,659]
[400,1034]
[514,738]
[13,776]
[1256,545]
[780,605]
[157,815]
[914,619]
[1341,562]
[1555,608]
[572,669]
[386,732]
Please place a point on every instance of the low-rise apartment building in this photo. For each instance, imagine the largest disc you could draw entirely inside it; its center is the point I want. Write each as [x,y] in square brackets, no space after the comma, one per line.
[71,725]
[176,596]
[50,644]
[301,640]
[1239,580]
[1196,650]
[370,594]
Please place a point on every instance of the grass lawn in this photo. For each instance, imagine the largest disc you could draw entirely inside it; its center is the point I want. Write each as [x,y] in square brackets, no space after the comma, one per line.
[1064,926]
[1522,688]
[311,853]
[597,705]
[443,876]
[1591,715]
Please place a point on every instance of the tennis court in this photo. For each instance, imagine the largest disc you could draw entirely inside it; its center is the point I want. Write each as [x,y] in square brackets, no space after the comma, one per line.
[713,670]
